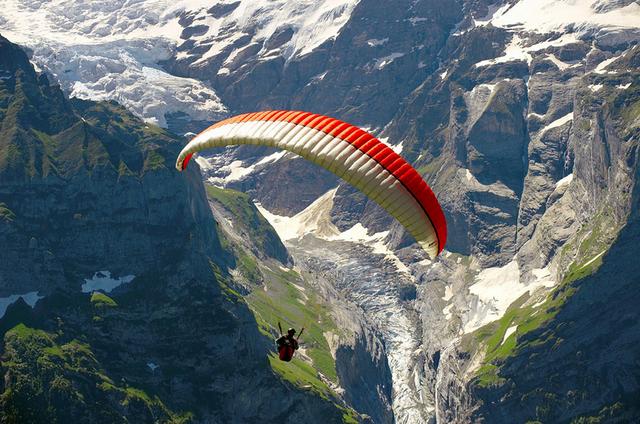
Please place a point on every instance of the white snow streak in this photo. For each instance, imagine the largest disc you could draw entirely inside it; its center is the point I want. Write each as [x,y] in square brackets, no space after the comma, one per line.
[558,122]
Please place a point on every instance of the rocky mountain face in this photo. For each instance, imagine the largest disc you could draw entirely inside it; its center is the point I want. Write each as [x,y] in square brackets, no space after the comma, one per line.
[528,135]
[521,114]
[89,200]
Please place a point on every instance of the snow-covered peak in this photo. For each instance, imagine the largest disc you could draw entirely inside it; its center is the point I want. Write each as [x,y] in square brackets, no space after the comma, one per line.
[276,27]
[111,49]
[71,22]
[546,16]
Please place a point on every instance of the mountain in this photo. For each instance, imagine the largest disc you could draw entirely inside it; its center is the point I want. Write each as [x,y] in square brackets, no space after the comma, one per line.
[521,114]
[109,258]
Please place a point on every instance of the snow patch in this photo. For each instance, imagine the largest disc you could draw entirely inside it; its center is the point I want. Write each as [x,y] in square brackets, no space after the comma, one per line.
[563,40]
[592,260]
[509,332]
[624,86]
[236,171]
[469,175]
[497,288]
[497,188]
[516,51]
[564,181]
[544,16]
[447,312]
[495,11]
[102,280]
[560,64]
[558,122]
[448,294]
[374,42]
[415,20]
[513,52]
[542,277]
[395,147]
[595,87]
[600,69]
[381,62]
[315,219]
[30,299]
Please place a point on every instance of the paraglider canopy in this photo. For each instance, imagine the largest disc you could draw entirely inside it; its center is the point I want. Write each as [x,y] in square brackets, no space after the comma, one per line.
[346,150]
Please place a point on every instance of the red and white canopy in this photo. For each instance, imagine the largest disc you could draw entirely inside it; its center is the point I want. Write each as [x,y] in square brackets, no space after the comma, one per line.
[346,150]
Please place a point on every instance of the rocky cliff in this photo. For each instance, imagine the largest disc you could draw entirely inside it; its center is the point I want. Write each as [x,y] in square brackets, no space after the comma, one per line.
[109,258]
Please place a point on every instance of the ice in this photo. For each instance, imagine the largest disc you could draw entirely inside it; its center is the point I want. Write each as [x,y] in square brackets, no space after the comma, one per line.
[102,280]
[30,298]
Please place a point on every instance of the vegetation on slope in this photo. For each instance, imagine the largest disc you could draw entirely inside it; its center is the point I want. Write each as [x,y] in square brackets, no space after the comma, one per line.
[278,294]
[55,381]
[588,247]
